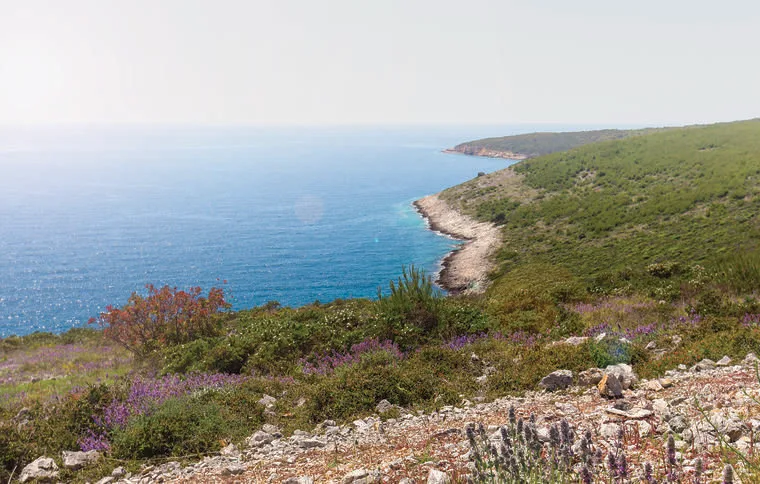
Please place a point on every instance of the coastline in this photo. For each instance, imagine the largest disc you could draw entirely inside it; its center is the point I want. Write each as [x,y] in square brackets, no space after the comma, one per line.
[508,155]
[465,269]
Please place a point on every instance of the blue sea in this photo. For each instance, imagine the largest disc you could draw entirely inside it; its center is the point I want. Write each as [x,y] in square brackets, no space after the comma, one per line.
[89,215]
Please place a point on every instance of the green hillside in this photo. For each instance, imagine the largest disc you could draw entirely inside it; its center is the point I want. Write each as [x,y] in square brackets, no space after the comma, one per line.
[537,144]
[608,209]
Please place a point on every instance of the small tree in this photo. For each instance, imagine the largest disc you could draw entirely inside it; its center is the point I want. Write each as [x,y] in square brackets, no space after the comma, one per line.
[165,316]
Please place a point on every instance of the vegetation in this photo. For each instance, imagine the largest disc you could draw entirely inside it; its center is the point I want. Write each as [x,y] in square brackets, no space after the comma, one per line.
[645,238]
[537,144]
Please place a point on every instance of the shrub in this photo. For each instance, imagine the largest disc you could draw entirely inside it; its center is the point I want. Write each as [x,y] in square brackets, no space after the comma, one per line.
[165,316]
[412,309]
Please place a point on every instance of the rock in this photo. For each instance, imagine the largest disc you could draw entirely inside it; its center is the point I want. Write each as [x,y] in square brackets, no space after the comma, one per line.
[661,408]
[307,443]
[651,345]
[635,413]
[725,361]
[682,367]
[653,386]
[590,377]
[674,402]
[678,423]
[610,387]
[258,439]
[625,341]
[271,429]
[645,428]
[406,480]
[437,477]
[665,382]
[267,401]
[750,360]
[77,460]
[598,338]
[676,340]
[106,480]
[733,430]
[230,451]
[233,470]
[624,374]
[703,365]
[43,469]
[359,476]
[474,358]
[119,472]
[299,480]
[383,407]
[610,431]
[557,380]
[575,340]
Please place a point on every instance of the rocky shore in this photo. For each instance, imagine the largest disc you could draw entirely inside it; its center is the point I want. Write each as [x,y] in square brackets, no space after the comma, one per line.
[473,151]
[465,270]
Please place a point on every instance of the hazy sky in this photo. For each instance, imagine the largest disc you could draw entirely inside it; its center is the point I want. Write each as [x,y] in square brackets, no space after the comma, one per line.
[379,61]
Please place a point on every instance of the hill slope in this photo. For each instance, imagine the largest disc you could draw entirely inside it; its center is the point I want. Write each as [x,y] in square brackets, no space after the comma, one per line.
[536,144]
[688,195]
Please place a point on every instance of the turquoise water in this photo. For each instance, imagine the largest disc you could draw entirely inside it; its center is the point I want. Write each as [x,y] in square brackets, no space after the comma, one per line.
[89,215]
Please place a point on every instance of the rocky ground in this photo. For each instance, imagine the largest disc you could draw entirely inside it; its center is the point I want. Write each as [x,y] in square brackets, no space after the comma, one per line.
[701,406]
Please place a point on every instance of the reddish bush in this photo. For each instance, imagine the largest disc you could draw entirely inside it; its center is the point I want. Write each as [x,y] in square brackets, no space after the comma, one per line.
[164,316]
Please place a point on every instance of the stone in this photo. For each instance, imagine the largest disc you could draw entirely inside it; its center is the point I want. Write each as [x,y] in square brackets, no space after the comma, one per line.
[651,345]
[258,439]
[610,387]
[676,340]
[661,408]
[359,475]
[575,340]
[645,428]
[119,472]
[678,423]
[598,338]
[78,460]
[557,380]
[43,469]
[437,477]
[106,480]
[267,401]
[750,360]
[653,386]
[233,470]
[733,430]
[665,382]
[271,429]
[383,407]
[703,365]
[590,377]
[307,443]
[230,451]
[299,480]
[725,361]
[610,431]
[624,374]
[635,413]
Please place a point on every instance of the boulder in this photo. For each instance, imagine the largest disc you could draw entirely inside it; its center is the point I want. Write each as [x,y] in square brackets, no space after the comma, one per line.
[610,387]
[557,380]
[77,460]
[725,361]
[437,477]
[260,438]
[360,476]
[119,472]
[624,374]
[230,450]
[43,469]
[703,365]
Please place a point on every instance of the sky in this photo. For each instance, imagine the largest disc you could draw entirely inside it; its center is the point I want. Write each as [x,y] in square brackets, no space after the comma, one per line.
[308,62]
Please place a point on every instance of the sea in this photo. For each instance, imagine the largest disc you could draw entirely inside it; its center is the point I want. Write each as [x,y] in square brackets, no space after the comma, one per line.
[91,214]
